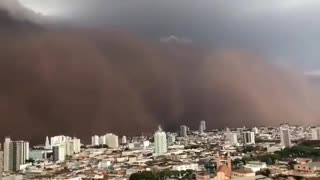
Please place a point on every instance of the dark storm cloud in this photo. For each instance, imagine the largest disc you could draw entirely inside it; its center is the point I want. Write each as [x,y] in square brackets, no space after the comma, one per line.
[80,82]
[84,83]
[286,30]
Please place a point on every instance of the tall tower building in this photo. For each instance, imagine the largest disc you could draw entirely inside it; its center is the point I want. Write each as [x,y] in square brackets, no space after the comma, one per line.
[15,154]
[95,140]
[1,162]
[58,140]
[248,137]
[201,130]
[77,145]
[124,140]
[160,142]
[203,124]
[112,140]
[232,138]
[103,140]
[183,131]
[47,144]
[59,152]
[171,138]
[285,136]
[6,154]
[315,133]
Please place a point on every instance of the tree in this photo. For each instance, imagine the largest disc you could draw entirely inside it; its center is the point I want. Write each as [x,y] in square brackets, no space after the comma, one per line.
[145,175]
[30,160]
[264,172]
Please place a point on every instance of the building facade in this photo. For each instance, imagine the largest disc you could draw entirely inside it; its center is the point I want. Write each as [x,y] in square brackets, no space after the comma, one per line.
[203,124]
[95,140]
[59,153]
[285,136]
[183,131]
[248,137]
[160,142]
[15,154]
[315,133]
[112,140]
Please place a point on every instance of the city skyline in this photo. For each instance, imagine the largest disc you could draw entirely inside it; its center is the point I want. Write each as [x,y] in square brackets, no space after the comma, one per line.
[159,90]
[63,149]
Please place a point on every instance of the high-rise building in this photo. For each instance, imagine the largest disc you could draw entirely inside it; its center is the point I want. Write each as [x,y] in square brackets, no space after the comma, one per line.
[183,131]
[1,162]
[248,137]
[57,140]
[171,138]
[47,143]
[124,140]
[315,133]
[160,142]
[95,140]
[15,154]
[77,145]
[232,138]
[59,153]
[103,140]
[112,140]
[203,124]
[6,154]
[201,130]
[285,136]
[69,147]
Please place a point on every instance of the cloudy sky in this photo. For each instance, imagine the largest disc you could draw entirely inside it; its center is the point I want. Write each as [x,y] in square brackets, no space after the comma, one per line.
[286,31]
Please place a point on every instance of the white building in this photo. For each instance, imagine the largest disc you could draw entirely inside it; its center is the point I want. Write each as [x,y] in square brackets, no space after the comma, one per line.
[183,131]
[285,136]
[171,138]
[58,140]
[112,140]
[146,144]
[255,165]
[59,152]
[7,155]
[1,164]
[315,133]
[103,140]
[95,140]
[232,138]
[201,129]
[255,130]
[72,146]
[203,124]
[248,137]
[15,154]
[184,167]
[160,142]
[47,143]
[39,154]
[124,140]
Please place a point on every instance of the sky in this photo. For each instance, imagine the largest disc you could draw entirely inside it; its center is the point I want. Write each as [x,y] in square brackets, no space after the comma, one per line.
[284,31]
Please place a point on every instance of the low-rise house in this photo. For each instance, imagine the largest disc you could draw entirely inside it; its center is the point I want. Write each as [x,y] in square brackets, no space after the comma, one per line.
[255,165]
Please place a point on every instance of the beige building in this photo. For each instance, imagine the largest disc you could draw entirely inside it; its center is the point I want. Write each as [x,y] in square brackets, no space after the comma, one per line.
[308,167]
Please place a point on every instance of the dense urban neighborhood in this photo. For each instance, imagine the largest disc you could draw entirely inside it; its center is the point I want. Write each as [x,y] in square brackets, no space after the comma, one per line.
[284,152]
